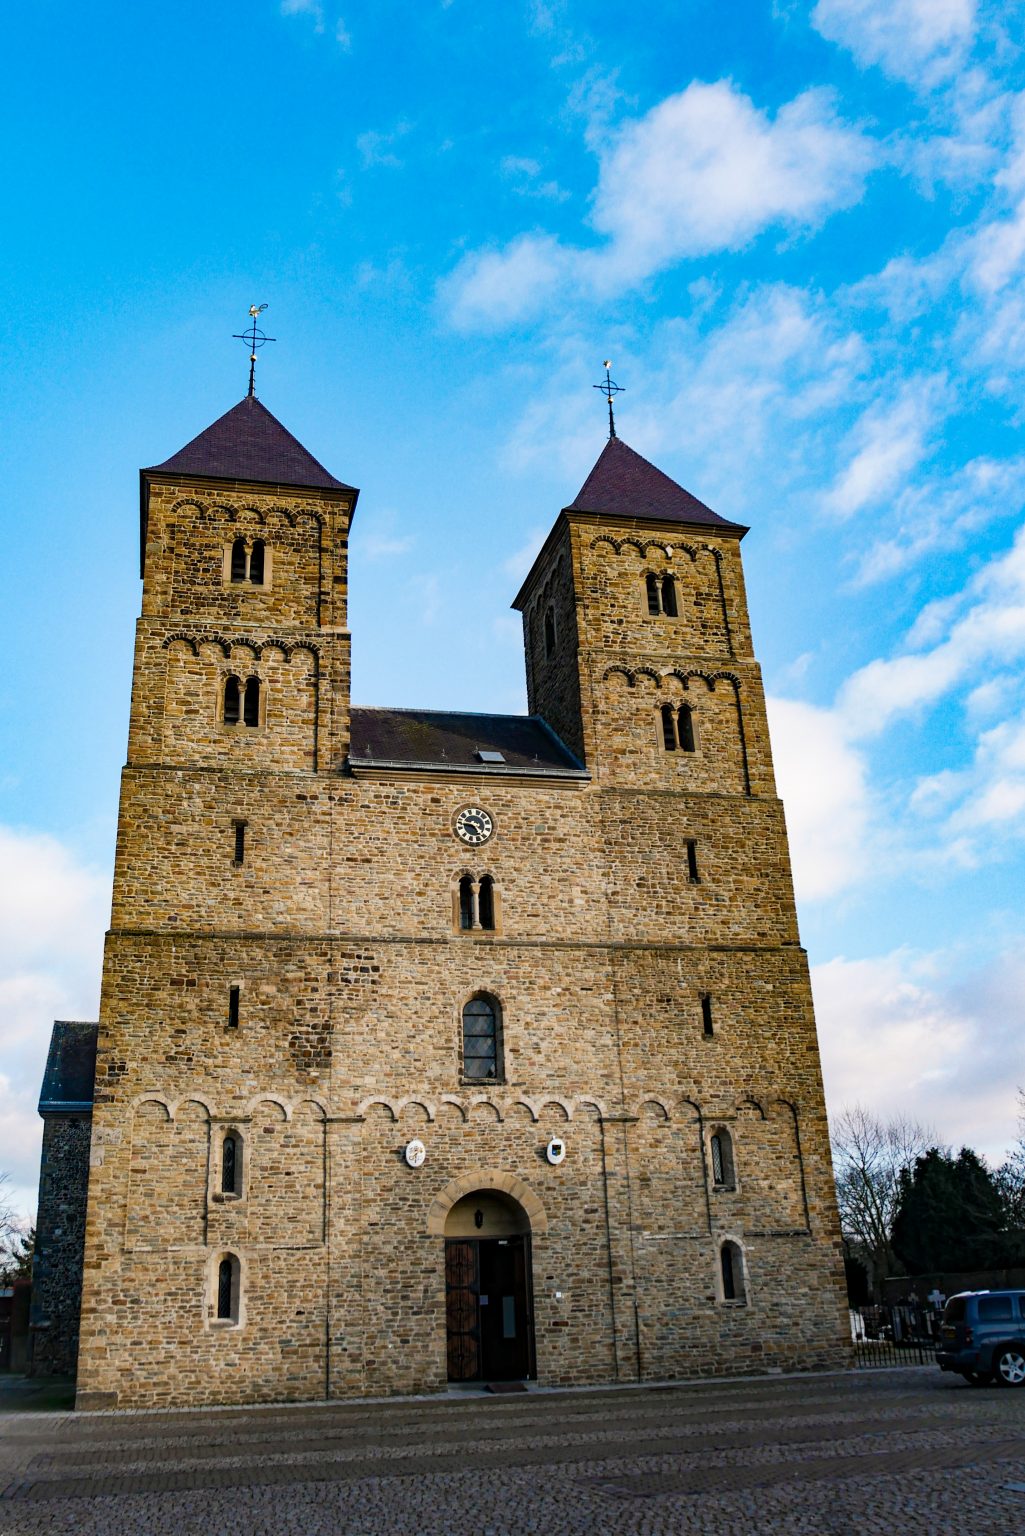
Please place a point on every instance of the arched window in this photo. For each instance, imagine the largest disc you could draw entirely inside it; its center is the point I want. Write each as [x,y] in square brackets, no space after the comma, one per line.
[228,1289]
[651,591]
[231,1164]
[232,700]
[731,1264]
[480,1040]
[466,902]
[238,560]
[251,707]
[486,902]
[549,632]
[668,728]
[669,596]
[721,1147]
[256,564]
[685,719]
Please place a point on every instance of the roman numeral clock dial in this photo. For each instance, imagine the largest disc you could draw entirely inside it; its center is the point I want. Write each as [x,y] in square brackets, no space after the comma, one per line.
[473,826]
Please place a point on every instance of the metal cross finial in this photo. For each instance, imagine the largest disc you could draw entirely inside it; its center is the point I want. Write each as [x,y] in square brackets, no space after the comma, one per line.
[610,390]
[256,338]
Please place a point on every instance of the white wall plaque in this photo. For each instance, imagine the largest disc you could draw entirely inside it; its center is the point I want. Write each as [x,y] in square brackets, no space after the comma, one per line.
[415,1153]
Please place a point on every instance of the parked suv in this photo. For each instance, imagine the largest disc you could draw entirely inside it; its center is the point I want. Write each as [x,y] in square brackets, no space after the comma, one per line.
[982,1337]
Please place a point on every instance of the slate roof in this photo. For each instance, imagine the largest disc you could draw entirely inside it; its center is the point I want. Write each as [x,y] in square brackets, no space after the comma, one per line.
[248,443]
[70,1068]
[449,741]
[623,484]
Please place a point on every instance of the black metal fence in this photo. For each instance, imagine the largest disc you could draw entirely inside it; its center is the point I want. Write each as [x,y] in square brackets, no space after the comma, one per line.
[905,1334]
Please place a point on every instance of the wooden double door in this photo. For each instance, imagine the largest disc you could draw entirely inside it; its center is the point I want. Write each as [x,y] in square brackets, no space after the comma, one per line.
[489,1310]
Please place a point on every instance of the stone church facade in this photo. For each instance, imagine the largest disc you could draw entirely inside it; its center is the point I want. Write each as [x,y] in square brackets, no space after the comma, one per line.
[445,1047]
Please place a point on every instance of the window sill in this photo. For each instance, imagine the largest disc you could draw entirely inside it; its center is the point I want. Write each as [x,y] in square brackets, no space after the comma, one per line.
[724,1189]
[224,1324]
[477,933]
[483,1082]
[222,1197]
[736,1305]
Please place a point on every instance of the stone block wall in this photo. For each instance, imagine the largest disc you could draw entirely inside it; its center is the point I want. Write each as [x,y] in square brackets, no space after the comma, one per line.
[60,1242]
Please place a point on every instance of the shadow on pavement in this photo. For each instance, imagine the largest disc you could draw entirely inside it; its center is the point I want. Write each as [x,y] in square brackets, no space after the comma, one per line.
[36,1394]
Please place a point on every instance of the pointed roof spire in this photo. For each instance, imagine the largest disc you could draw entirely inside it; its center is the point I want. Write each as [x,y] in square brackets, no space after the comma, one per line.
[623,484]
[248,443]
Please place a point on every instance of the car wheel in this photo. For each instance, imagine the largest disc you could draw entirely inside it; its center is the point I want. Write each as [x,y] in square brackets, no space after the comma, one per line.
[977,1378]
[1009,1365]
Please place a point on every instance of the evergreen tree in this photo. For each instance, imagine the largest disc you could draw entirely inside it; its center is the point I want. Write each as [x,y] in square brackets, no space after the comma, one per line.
[950,1215]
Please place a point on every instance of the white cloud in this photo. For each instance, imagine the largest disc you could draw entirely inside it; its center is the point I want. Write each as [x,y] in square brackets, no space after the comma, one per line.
[920,41]
[991,627]
[378,148]
[527,179]
[899,1035]
[822,782]
[343,37]
[942,512]
[703,171]
[311,8]
[53,912]
[888,443]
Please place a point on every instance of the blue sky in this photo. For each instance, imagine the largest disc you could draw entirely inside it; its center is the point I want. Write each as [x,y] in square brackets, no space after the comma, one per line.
[798,230]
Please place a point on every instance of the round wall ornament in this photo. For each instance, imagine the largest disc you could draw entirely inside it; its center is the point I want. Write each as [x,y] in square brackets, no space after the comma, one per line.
[555,1150]
[415,1153]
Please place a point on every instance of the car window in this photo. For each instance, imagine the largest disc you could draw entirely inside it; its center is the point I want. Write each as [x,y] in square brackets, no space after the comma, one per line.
[953,1312]
[1021,1306]
[995,1309]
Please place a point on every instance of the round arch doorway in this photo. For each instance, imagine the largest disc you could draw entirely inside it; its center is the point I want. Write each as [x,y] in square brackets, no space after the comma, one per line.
[488,1295]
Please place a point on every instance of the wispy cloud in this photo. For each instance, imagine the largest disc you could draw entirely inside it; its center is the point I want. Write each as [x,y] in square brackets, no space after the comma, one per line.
[528,180]
[703,171]
[53,913]
[377,148]
[921,41]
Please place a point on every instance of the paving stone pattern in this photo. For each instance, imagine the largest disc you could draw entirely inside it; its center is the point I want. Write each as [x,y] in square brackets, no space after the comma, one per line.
[897,1450]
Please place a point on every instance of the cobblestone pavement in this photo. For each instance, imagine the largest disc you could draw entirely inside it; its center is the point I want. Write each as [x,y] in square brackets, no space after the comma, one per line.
[908,1450]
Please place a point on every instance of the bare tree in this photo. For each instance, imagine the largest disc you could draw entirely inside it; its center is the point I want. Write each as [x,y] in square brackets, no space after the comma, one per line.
[16,1238]
[868,1157]
[1010,1176]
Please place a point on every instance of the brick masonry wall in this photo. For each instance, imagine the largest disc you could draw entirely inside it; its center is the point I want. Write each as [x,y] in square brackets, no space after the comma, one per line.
[338,930]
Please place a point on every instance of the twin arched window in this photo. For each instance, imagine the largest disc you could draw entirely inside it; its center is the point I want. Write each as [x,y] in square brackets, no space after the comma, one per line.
[242,702]
[661,595]
[678,728]
[476,904]
[248,564]
[482,1046]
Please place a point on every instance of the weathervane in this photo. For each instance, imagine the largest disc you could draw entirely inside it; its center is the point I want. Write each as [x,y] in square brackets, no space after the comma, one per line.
[610,390]
[256,338]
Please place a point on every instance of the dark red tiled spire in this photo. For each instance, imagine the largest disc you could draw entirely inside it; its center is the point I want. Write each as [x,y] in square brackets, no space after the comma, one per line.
[248,443]
[622,484]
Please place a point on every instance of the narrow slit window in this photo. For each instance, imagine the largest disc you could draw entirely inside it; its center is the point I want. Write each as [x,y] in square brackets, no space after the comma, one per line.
[238,560]
[549,632]
[721,1149]
[669,597]
[466,903]
[251,707]
[686,728]
[486,902]
[668,728]
[228,1289]
[706,1015]
[232,701]
[240,842]
[651,589]
[732,1273]
[480,1040]
[692,861]
[234,994]
[256,564]
[231,1164]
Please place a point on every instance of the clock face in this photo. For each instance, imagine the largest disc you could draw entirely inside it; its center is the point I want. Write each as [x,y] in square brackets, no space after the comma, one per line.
[473,826]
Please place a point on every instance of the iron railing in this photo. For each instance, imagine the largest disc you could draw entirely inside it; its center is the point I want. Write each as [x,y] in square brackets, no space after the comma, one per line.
[904,1334]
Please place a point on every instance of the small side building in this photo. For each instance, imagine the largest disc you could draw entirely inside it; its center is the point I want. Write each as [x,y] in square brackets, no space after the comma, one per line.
[66,1105]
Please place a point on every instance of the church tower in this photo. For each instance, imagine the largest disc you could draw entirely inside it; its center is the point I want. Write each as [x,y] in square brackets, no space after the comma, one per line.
[439,1046]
